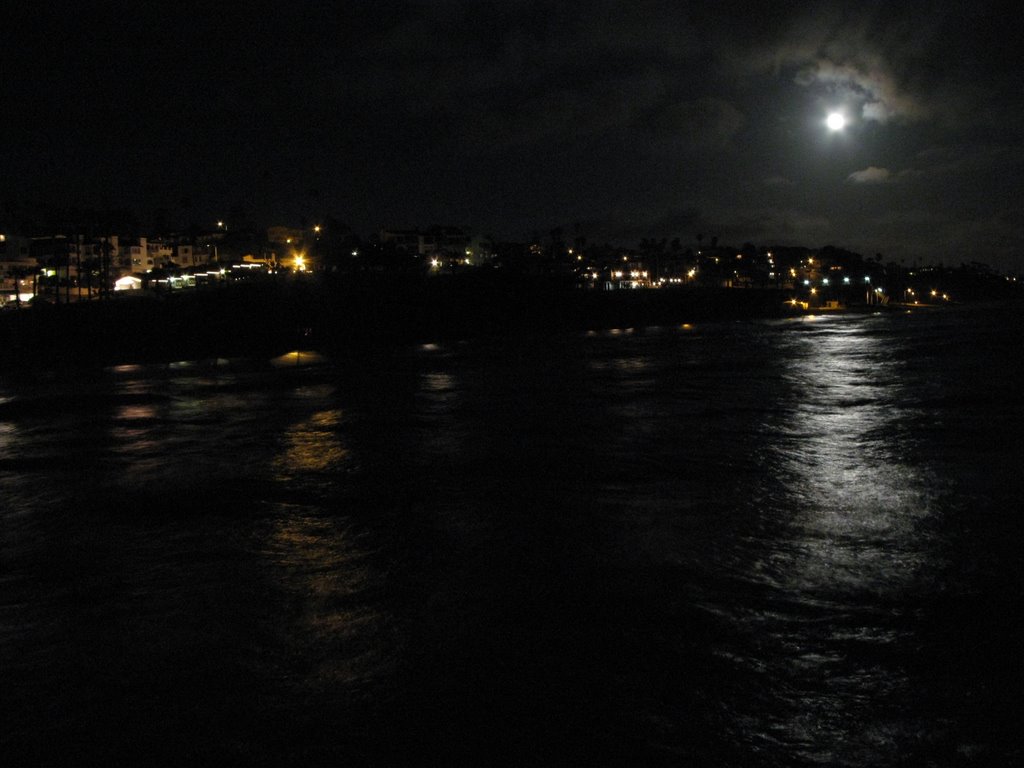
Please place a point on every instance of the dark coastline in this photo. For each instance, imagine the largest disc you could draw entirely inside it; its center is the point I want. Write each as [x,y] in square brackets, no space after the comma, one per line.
[341,316]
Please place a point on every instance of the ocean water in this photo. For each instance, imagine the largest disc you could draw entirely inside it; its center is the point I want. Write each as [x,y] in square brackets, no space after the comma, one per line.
[779,543]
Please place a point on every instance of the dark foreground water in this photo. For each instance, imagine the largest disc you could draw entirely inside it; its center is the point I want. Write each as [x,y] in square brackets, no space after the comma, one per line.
[781,543]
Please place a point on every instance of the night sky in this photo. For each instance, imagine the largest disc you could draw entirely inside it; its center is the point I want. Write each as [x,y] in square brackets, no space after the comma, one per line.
[626,120]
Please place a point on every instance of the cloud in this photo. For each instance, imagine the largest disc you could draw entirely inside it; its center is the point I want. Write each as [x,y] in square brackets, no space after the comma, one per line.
[878,111]
[867,84]
[870,175]
[879,59]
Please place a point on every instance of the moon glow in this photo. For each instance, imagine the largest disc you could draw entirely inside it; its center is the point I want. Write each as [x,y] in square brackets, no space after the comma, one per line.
[835,121]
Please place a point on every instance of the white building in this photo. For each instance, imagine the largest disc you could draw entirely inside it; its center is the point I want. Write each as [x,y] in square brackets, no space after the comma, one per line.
[450,243]
[135,256]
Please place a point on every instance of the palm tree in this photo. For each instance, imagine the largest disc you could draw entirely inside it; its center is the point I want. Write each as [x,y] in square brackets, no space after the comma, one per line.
[90,266]
[105,251]
[19,274]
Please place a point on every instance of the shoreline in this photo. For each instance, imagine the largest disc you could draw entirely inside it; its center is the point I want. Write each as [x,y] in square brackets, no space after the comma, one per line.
[337,316]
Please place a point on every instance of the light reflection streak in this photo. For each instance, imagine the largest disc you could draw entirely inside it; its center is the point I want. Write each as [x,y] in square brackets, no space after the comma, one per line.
[8,439]
[135,411]
[136,438]
[297,357]
[312,446]
[858,505]
[165,423]
[832,564]
[438,383]
[438,401]
[339,632]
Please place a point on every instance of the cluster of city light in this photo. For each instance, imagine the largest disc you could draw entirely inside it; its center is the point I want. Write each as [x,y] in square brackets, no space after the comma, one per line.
[187,280]
[827,281]
[935,294]
[177,281]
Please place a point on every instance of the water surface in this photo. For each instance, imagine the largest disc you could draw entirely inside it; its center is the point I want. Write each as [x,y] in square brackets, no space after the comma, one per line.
[765,543]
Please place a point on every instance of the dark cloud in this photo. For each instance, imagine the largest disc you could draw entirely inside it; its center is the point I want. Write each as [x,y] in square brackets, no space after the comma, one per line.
[701,124]
[776,225]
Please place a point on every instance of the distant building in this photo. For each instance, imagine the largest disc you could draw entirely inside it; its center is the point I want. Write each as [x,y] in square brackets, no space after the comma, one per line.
[135,255]
[15,250]
[408,240]
[144,255]
[452,245]
[187,255]
[285,235]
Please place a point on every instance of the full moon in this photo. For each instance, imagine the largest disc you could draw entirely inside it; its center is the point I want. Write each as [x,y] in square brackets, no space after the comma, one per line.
[835,122]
